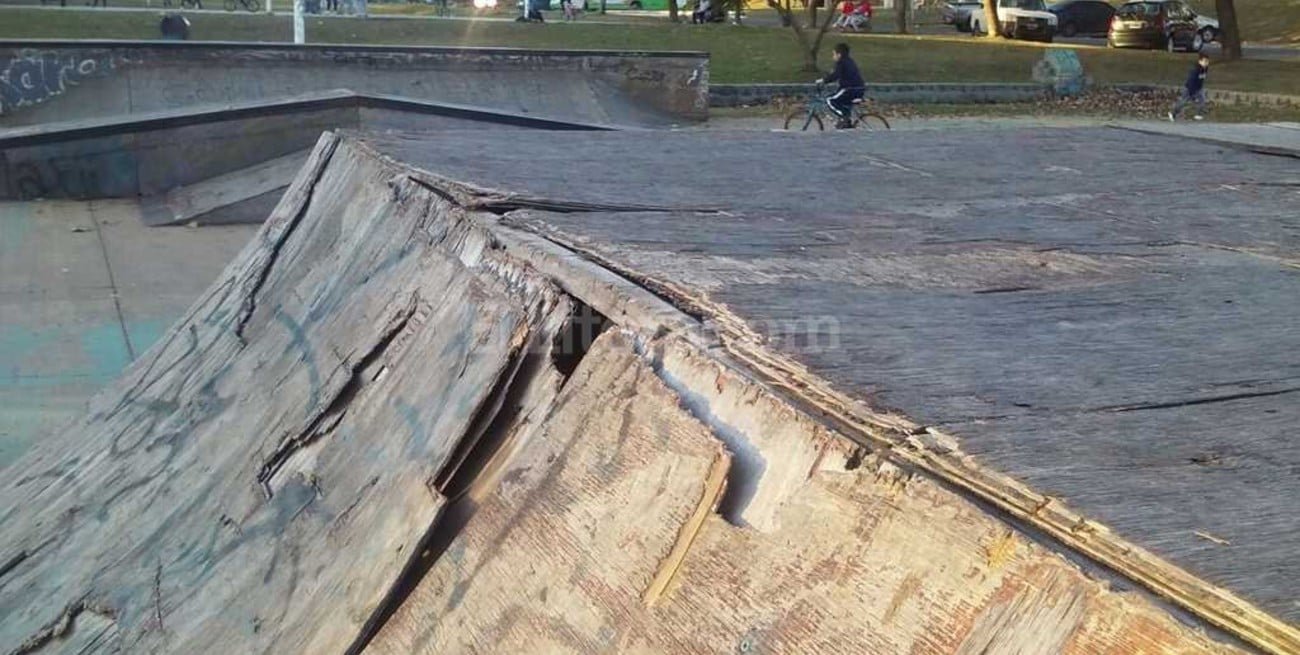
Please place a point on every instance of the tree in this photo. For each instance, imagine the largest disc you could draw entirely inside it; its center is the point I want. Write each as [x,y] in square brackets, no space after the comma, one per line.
[808,35]
[672,11]
[904,16]
[1229,36]
[991,25]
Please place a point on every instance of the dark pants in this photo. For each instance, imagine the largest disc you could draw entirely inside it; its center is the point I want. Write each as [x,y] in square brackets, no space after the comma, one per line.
[842,101]
[1188,96]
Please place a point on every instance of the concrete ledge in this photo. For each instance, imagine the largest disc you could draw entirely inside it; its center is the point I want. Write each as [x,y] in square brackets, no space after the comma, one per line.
[736,95]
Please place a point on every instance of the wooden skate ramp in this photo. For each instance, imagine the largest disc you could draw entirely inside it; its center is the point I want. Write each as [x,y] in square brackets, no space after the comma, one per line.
[397,424]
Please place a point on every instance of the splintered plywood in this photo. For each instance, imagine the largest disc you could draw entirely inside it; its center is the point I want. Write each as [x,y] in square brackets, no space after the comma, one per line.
[258,480]
[589,523]
[857,555]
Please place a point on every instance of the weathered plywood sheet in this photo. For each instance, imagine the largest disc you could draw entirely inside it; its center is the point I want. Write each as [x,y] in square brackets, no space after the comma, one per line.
[979,294]
[838,553]
[860,555]
[586,522]
[997,287]
[258,480]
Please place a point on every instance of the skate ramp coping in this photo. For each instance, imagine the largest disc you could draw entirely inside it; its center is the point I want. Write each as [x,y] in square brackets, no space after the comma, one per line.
[66,80]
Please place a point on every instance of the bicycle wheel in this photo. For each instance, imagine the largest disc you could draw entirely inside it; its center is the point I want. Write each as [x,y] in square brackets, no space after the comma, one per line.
[869,120]
[802,119]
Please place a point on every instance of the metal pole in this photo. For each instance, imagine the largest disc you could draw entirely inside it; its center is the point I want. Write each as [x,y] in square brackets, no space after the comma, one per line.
[299,29]
[268,6]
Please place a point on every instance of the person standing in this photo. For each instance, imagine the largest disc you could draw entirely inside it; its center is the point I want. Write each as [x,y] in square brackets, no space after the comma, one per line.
[702,10]
[1193,89]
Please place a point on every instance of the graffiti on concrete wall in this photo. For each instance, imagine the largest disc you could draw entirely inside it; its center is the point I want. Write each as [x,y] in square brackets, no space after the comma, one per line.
[34,76]
[78,176]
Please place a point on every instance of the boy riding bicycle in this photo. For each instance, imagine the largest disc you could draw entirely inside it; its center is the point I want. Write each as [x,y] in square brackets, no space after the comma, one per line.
[851,85]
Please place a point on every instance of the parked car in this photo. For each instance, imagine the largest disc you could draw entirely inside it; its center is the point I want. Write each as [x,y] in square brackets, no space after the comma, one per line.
[1167,24]
[1019,19]
[1209,28]
[957,13]
[1091,17]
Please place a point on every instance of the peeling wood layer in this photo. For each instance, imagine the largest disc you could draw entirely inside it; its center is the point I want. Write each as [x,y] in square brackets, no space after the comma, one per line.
[361,439]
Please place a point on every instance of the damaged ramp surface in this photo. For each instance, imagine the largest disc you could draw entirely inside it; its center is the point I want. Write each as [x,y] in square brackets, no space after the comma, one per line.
[257,481]
[398,424]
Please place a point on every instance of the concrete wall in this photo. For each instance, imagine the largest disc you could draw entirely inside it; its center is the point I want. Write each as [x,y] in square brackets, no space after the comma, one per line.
[45,81]
[155,153]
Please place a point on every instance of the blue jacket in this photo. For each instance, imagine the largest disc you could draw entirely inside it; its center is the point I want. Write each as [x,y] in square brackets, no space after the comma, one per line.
[1196,79]
[846,73]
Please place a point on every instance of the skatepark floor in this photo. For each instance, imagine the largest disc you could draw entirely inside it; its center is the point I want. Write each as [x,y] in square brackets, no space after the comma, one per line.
[85,288]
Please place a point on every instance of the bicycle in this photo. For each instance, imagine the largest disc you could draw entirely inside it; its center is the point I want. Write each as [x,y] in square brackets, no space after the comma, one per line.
[863,114]
[248,5]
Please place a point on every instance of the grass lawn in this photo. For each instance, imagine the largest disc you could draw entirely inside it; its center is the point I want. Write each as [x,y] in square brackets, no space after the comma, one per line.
[739,54]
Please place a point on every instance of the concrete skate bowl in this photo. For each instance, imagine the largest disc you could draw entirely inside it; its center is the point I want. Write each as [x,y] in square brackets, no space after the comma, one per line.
[48,81]
[213,164]
[403,422]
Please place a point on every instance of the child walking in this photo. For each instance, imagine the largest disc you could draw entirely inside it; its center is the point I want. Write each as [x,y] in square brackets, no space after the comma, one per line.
[1193,89]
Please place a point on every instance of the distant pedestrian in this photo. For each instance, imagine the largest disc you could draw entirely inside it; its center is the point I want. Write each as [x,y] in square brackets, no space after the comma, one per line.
[861,19]
[1193,89]
[332,6]
[703,12]
[570,10]
[846,16]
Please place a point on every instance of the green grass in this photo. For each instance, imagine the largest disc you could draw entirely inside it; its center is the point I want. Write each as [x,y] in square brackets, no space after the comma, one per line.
[739,54]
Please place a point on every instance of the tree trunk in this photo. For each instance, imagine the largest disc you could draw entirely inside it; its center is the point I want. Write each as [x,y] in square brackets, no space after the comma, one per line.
[992,28]
[904,13]
[808,35]
[602,7]
[1229,36]
[672,11]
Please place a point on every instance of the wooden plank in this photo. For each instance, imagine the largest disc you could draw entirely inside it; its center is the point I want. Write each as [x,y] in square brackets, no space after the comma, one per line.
[258,481]
[589,514]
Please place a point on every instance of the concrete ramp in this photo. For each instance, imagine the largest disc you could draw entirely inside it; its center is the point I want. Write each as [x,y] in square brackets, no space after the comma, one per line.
[395,424]
[235,197]
[48,81]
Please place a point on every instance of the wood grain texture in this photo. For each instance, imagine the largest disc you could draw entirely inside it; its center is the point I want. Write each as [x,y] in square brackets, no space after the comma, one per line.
[259,479]
[1068,313]
[558,559]
[853,556]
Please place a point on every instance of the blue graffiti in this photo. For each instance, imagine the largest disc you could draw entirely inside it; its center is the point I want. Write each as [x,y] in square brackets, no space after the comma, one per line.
[33,77]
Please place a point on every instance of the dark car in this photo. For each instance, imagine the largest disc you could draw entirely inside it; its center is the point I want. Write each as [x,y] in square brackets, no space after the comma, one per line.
[1090,17]
[1167,24]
